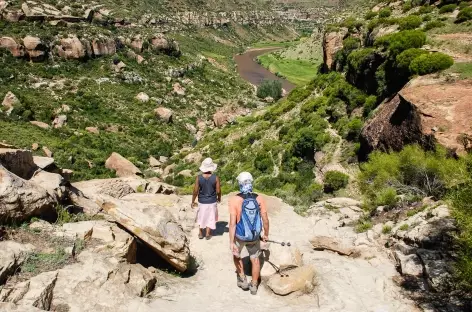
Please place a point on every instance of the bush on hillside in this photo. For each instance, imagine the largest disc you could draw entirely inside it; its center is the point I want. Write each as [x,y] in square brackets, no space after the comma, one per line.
[401,41]
[299,94]
[354,128]
[385,12]
[410,22]
[369,105]
[404,59]
[370,15]
[412,171]
[433,24]
[431,63]
[263,162]
[334,181]
[448,8]
[425,9]
[272,88]
[464,5]
[308,140]
[464,15]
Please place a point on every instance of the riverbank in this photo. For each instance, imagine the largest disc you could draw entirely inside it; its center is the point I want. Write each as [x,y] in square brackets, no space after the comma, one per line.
[255,73]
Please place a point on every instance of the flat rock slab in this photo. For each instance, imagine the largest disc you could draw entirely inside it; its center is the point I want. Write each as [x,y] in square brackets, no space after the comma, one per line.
[12,256]
[299,279]
[332,244]
[43,162]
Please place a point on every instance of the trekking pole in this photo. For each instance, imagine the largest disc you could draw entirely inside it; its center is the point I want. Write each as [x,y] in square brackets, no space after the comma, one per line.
[280,243]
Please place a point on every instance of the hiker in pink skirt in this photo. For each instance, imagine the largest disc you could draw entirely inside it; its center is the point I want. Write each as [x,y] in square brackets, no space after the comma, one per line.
[207,188]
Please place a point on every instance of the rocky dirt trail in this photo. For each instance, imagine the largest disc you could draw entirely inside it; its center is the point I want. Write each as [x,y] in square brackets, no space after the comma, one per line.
[341,283]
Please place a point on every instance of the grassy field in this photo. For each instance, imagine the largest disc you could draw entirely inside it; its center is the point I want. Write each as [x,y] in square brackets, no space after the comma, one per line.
[274,44]
[464,69]
[299,72]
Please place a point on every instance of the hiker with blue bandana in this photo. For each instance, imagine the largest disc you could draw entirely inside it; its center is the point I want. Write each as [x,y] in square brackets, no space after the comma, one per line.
[248,224]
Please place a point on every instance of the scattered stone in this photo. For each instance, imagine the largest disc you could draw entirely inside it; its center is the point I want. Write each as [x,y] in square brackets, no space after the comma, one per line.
[298,279]
[40,124]
[9,102]
[35,146]
[331,244]
[164,114]
[186,173]
[35,48]
[122,166]
[178,89]
[153,162]
[10,44]
[191,128]
[93,130]
[163,159]
[43,163]
[193,157]
[220,119]
[59,121]
[409,264]
[284,258]
[269,99]
[71,48]
[47,152]
[142,97]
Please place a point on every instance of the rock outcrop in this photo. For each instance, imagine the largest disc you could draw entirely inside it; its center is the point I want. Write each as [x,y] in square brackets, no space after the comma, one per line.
[332,43]
[9,102]
[164,114]
[12,256]
[122,166]
[18,162]
[427,110]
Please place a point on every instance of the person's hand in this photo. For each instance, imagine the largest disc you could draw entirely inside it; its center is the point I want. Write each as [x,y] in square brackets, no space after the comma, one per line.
[193,205]
[234,249]
[265,238]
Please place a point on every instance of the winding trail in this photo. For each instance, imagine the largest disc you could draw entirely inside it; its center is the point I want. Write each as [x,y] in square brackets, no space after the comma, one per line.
[344,284]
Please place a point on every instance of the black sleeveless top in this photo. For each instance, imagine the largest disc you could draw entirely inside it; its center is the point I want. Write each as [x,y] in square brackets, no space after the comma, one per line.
[207,190]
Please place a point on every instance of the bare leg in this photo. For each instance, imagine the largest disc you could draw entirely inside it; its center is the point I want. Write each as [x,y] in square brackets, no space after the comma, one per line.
[256,270]
[208,232]
[238,263]
[200,232]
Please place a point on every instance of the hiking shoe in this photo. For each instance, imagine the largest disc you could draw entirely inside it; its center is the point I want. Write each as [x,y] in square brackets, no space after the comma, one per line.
[200,235]
[242,282]
[253,288]
[208,237]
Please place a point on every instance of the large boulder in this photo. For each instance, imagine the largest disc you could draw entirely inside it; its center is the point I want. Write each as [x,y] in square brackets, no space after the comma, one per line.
[164,114]
[18,162]
[103,46]
[11,45]
[21,199]
[35,48]
[160,43]
[12,256]
[116,188]
[9,102]
[220,119]
[155,226]
[332,43]
[299,279]
[281,256]
[427,110]
[71,48]
[122,166]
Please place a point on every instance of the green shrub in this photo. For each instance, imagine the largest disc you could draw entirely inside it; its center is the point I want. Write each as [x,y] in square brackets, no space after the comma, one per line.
[464,15]
[335,180]
[263,162]
[425,9]
[314,192]
[407,6]
[412,171]
[405,58]
[354,128]
[299,94]
[358,57]
[370,15]
[433,24]
[401,41]
[410,22]
[387,197]
[369,105]
[403,227]
[448,8]
[431,63]
[463,5]
[267,184]
[363,226]
[386,229]
[385,12]
[272,88]
[307,140]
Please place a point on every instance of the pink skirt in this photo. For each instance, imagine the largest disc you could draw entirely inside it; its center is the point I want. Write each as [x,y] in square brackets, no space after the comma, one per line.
[207,215]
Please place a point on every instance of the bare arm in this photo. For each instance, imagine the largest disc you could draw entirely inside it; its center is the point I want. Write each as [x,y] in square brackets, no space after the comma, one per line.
[265,217]
[195,192]
[232,221]
[218,189]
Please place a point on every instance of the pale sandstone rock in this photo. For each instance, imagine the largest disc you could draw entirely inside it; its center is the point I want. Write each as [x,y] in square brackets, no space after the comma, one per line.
[36,292]
[153,162]
[21,199]
[93,130]
[41,225]
[51,182]
[59,121]
[178,89]
[35,146]
[35,48]
[164,114]
[40,124]
[142,97]
[11,45]
[283,257]
[103,46]
[156,227]
[43,162]
[193,157]
[332,43]
[121,165]
[18,162]
[71,48]
[331,244]
[11,307]
[12,256]
[185,173]
[116,188]
[298,279]
[9,102]
[409,264]
[220,119]
[191,128]
[47,151]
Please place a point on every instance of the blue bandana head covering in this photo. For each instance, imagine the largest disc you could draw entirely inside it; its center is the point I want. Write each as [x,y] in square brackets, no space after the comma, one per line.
[245,187]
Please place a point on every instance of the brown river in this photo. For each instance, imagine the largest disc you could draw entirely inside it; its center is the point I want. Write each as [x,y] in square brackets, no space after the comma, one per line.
[254,73]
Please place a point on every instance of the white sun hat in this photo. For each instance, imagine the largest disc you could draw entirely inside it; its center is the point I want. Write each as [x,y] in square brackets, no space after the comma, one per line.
[244,177]
[208,165]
